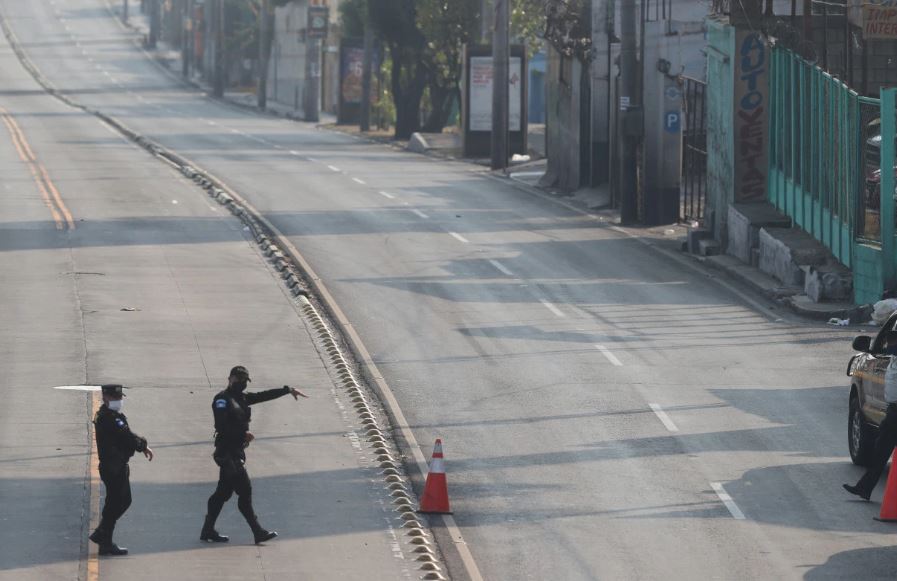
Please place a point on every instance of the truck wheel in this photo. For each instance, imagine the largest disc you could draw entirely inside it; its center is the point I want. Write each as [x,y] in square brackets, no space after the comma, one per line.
[860,437]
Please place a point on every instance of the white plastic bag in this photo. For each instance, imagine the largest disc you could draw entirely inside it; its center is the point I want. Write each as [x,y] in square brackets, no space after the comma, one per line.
[882,310]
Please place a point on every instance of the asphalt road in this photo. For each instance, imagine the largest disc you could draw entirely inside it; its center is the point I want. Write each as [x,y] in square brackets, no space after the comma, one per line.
[607,412]
[116,268]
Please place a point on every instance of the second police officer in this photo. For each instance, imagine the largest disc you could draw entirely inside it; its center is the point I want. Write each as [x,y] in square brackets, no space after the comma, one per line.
[232,412]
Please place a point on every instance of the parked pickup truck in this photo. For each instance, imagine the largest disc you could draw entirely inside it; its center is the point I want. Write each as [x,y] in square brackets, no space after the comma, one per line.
[867,392]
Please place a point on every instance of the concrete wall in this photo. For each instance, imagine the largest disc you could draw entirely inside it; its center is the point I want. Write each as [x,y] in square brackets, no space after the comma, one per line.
[286,71]
[562,131]
[720,139]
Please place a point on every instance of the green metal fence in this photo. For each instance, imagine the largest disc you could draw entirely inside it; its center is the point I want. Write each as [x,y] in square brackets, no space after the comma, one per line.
[816,152]
[831,167]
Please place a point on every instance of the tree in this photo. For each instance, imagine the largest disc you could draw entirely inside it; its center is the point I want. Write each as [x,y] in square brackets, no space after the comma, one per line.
[395,23]
[447,25]
[450,24]
[425,39]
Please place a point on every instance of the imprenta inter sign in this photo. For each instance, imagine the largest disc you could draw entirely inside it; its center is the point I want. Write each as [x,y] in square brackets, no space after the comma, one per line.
[880,20]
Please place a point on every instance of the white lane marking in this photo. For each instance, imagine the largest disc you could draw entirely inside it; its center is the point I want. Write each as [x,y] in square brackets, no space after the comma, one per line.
[235,131]
[419,213]
[258,139]
[358,181]
[610,356]
[174,201]
[460,238]
[553,308]
[387,195]
[211,123]
[333,168]
[727,500]
[501,267]
[294,152]
[664,418]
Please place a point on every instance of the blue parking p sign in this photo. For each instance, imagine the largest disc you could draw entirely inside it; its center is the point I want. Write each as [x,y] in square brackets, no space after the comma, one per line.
[672,121]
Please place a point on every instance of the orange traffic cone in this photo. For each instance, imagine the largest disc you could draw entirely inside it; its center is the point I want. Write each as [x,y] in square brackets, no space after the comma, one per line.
[435,498]
[889,502]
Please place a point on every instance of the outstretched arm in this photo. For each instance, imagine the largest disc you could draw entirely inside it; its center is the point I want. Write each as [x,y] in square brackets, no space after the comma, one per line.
[268,395]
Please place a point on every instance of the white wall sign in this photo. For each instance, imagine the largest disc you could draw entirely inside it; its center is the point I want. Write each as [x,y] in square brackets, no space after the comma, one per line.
[481,93]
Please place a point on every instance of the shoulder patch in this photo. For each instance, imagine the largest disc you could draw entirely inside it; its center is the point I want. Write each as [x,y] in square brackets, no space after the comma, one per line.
[220,404]
[119,422]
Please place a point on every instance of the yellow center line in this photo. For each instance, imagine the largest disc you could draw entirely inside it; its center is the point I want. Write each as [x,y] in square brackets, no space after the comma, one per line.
[93,564]
[23,154]
[58,197]
[49,193]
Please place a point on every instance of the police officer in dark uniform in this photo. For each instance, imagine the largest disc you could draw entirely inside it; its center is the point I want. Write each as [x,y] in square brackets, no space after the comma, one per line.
[232,415]
[116,443]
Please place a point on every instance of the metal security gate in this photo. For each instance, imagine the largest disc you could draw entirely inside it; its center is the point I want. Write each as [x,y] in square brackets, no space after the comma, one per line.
[693,188]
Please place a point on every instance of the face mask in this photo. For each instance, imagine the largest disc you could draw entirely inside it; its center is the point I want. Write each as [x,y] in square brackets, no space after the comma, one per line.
[115,405]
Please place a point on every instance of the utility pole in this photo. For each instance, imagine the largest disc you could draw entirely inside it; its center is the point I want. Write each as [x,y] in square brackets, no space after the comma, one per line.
[500,85]
[630,108]
[312,74]
[187,39]
[124,11]
[220,56]
[808,20]
[366,71]
[155,23]
[264,52]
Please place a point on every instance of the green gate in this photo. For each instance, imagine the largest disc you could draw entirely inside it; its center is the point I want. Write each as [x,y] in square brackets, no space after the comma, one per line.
[828,150]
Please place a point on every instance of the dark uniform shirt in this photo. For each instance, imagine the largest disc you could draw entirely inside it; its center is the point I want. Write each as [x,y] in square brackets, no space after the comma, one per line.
[232,417]
[116,443]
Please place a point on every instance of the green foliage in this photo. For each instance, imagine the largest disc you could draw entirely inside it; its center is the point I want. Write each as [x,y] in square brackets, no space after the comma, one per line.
[352,17]
[447,25]
[425,40]
[528,23]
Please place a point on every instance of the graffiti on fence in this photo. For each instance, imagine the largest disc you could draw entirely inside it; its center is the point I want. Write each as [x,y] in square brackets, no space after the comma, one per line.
[751,119]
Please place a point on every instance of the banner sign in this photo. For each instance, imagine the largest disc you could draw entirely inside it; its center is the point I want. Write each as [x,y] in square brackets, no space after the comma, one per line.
[880,21]
[481,93]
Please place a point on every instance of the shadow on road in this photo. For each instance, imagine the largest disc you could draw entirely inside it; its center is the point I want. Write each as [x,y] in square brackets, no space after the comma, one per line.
[876,563]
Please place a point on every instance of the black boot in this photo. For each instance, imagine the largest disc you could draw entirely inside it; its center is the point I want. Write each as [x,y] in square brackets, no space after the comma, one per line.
[209,534]
[858,491]
[111,548]
[101,535]
[260,534]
